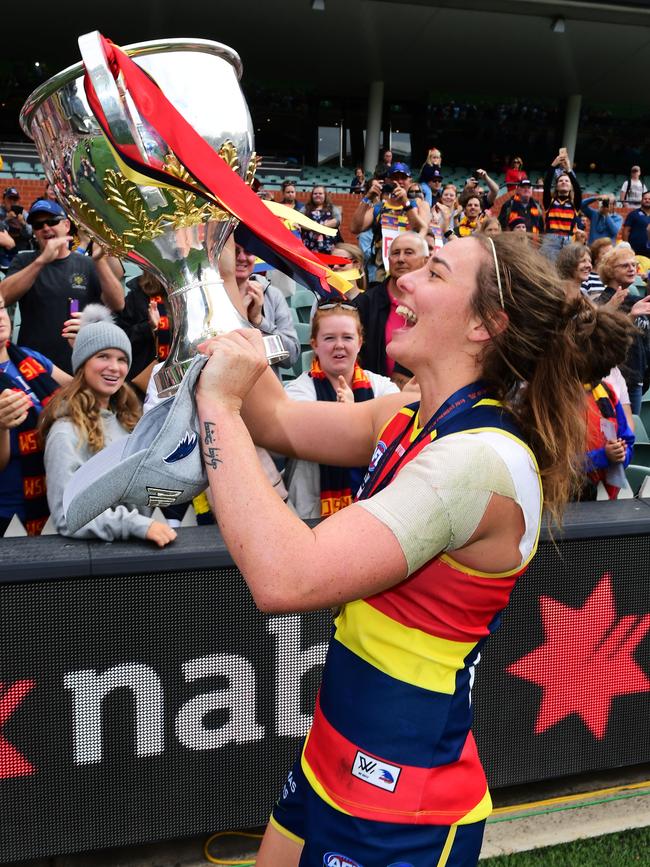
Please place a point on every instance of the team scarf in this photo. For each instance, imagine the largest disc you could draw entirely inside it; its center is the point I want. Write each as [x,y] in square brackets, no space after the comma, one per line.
[210,177]
[25,440]
[605,404]
[465,226]
[338,483]
[163,334]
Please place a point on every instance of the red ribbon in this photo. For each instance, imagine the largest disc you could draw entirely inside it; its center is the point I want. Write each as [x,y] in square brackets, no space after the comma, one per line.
[202,162]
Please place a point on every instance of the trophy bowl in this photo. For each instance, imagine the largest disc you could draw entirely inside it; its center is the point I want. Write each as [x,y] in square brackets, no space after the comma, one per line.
[176,235]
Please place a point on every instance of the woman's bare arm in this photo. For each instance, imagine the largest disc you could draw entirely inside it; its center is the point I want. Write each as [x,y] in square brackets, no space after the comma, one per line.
[335,433]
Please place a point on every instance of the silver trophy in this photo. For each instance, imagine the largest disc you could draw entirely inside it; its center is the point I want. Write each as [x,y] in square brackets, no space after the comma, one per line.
[174,234]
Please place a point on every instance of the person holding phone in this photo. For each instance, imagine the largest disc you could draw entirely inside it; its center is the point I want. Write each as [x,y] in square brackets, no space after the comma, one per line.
[604,222]
[387,210]
[43,281]
[14,217]
[562,203]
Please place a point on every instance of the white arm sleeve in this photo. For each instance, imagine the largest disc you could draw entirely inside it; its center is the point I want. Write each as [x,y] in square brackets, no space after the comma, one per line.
[437,500]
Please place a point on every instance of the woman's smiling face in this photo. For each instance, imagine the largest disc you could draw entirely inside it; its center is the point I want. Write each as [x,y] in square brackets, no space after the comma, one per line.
[435,303]
[105,373]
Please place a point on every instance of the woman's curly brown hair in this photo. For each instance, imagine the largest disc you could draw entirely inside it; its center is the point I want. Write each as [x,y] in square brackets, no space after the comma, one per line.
[552,344]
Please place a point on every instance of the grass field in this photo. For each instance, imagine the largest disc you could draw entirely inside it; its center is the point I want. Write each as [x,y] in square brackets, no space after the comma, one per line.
[625,849]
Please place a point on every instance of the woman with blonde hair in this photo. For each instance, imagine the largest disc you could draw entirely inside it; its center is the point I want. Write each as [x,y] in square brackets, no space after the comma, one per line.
[490,226]
[93,410]
[356,260]
[422,563]
[617,270]
[336,336]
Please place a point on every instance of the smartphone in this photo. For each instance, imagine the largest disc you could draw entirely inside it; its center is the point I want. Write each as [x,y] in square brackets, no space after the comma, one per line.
[74,305]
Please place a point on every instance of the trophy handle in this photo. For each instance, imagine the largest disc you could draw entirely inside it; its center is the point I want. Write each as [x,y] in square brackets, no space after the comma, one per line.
[111,93]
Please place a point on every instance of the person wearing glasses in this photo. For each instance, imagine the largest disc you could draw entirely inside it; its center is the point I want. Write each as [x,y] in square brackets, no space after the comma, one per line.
[515,174]
[420,566]
[319,490]
[51,284]
[617,270]
[354,262]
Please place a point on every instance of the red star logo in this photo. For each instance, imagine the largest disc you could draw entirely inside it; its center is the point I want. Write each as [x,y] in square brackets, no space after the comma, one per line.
[586,659]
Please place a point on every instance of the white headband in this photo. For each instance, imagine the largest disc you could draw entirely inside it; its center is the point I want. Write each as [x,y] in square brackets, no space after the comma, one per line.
[498,273]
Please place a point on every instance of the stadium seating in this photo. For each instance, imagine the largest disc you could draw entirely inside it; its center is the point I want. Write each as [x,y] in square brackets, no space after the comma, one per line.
[635,476]
[640,431]
[302,301]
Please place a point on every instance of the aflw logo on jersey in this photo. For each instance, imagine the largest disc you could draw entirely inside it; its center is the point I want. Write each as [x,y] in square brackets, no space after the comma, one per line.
[375,772]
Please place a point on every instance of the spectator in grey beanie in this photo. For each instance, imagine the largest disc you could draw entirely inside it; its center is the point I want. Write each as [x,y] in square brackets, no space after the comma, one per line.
[95,409]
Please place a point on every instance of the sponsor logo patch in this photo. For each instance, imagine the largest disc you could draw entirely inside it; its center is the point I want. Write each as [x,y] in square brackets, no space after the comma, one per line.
[183,448]
[162,496]
[334,859]
[374,771]
[377,455]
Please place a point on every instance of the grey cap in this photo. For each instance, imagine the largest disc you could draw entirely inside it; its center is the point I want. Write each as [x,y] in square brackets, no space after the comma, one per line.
[158,464]
[97,332]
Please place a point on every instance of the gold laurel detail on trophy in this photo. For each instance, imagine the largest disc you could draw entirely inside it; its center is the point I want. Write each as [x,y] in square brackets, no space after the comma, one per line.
[187,212]
[251,169]
[184,201]
[91,220]
[228,153]
[126,199]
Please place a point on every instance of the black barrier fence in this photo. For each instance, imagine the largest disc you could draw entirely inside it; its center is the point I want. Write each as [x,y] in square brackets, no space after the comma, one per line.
[143,697]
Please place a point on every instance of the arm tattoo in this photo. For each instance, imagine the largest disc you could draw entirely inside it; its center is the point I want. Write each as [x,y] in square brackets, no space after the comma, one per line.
[210,452]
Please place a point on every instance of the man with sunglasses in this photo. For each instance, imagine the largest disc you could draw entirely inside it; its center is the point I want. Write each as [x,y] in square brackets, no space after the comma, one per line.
[51,283]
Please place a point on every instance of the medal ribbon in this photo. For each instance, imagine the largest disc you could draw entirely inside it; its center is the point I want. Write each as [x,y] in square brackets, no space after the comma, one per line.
[460,401]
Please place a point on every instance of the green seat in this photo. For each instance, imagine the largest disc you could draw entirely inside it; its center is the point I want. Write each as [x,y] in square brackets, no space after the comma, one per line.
[645,414]
[635,476]
[640,432]
[306,360]
[302,301]
[302,298]
[641,454]
[303,330]
[294,315]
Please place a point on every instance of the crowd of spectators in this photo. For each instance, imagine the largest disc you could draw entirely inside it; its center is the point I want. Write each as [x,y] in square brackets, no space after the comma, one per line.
[87,380]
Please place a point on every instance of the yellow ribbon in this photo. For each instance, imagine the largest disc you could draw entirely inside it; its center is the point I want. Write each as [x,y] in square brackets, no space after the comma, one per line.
[279,210]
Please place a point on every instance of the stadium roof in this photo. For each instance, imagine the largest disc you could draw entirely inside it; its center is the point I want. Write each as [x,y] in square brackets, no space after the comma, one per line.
[511,47]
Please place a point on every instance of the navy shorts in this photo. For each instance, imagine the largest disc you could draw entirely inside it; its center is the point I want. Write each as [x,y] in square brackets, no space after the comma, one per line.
[334,839]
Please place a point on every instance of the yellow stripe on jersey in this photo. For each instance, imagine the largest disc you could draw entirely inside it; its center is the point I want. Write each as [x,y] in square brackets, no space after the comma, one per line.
[402,652]
[446,849]
[285,831]
[481,811]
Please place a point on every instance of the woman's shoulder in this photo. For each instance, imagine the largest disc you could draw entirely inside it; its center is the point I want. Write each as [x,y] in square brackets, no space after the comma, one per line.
[301,388]
[381,385]
[62,432]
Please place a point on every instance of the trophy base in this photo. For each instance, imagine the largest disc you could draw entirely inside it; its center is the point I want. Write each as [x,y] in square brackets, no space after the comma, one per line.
[169,377]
